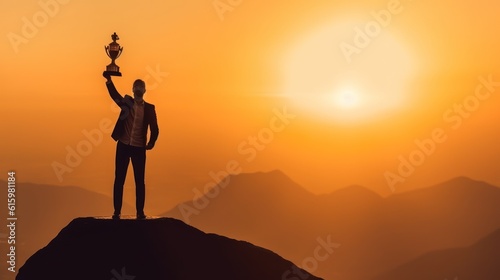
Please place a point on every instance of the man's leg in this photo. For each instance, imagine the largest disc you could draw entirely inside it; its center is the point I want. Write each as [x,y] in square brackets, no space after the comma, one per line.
[139,164]
[121,165]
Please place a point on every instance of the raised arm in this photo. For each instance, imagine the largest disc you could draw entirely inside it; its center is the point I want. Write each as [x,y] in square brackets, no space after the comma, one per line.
[115,95]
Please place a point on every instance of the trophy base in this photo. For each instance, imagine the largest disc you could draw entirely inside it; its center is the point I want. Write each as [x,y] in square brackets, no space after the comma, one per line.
[112,73]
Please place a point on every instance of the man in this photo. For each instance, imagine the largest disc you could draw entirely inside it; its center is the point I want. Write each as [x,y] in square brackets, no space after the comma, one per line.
[130,132]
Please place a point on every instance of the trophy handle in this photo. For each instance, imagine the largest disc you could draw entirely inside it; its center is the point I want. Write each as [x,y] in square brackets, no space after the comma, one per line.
[106,48]
[120,52]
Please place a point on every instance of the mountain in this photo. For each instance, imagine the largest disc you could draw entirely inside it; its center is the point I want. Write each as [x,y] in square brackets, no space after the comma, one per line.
[376,234]
[479,261]
[163,248]
[273,211]
[451,214]
[42,210]
[250,206]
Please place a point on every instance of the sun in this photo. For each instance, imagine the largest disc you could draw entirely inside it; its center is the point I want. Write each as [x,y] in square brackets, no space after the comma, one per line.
[321,82]
[347,98]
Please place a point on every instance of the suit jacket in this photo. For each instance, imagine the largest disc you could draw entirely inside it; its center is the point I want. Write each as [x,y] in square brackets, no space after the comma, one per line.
[126,103]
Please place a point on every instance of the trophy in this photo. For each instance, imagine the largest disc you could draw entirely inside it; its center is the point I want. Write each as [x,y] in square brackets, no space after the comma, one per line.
[113,51]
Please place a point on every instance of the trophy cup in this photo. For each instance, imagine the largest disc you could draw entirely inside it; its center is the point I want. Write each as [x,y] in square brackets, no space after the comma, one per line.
[113,51]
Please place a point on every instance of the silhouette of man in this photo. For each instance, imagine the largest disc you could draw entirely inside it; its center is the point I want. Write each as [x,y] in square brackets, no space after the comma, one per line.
[130,132]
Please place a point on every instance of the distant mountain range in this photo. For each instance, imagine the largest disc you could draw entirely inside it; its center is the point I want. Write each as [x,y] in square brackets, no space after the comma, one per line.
[376,234]
[160,249]
[479,261]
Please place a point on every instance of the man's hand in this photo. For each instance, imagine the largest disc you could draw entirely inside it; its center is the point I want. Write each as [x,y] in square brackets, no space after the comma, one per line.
[107,76]
[149,146]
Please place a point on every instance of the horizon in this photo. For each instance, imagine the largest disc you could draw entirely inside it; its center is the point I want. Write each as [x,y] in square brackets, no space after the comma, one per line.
[195,195]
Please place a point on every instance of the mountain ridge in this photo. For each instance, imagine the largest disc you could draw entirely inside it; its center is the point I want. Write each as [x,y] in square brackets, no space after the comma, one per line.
[477,261]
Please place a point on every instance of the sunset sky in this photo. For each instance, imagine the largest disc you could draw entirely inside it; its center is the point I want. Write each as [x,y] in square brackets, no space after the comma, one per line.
[335,92]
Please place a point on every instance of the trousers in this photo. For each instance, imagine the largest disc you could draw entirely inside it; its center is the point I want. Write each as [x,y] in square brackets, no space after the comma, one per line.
[125,153]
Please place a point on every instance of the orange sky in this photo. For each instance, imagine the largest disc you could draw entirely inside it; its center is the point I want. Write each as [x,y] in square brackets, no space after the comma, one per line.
[218,82]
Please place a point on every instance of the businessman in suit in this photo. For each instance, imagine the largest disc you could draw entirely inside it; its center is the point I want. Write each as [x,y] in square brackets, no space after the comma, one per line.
[130,132]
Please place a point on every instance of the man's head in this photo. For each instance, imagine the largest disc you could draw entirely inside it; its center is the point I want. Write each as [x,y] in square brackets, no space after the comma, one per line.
[139,88]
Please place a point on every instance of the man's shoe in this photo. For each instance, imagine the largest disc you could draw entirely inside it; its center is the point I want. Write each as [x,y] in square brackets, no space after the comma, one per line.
[141,216]
[116,216]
